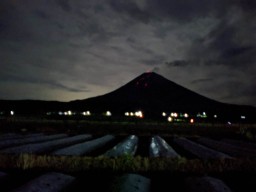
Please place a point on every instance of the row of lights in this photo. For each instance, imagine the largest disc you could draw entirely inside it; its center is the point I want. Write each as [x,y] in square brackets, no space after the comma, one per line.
[173,116]
[3,113]
[69,113]
[134,114]
[171,119]
[107,113]
[139,114]
[186,115]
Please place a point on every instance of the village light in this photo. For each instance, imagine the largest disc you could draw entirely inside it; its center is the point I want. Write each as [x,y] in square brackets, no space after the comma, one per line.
[86,113]
[138,114]
[203,115]
[163,114]
[12,113]
[170,119]
[174,114]
[108,113]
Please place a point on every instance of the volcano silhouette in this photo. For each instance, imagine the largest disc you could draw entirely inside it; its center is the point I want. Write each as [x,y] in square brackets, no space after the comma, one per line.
[154,94]
[150,93]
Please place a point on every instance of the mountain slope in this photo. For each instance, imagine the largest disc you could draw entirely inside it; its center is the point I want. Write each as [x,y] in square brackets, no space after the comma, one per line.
[150,93]
[154,94]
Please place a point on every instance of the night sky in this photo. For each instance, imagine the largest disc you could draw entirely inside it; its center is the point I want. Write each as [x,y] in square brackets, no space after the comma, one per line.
[74,49]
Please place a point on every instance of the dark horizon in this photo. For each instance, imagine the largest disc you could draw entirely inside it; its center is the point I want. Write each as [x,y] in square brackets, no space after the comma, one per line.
[103,94]
[150,95]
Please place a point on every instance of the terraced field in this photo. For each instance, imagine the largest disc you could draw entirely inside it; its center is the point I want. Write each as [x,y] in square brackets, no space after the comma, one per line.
[149,151]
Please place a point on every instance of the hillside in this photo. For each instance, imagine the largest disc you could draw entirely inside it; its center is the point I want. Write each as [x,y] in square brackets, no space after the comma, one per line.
[150,93]
[154,94]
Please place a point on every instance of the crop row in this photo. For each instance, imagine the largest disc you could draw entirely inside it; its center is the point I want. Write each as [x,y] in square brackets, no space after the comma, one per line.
[126,182]
[155,146]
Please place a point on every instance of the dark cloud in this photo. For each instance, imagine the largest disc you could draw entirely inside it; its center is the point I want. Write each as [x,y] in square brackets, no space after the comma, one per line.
[178,63]
[38,80]
[237,51]
[78,49]
[157,60]
[66,88]
[206,80]
[238,89]
[232,41]
[41,14]
[132,9]
[180,10]
[65,5]
[249,6]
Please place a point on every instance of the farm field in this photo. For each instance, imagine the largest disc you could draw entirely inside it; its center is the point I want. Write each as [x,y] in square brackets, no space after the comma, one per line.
[128,159]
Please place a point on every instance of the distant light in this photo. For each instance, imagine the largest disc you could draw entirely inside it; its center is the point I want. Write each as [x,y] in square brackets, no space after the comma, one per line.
[69,112]
[60,113]
[174,114]
[186,115]
[170,119]
[203,115]
[163,114]
[215,116]
[12,112]
[108,113]
[192,121]
[243,117]
[86,113]
[139,114]
[229,122]
[127,114]
[131,114]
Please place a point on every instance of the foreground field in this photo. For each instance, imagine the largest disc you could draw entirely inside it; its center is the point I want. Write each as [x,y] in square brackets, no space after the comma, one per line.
[73,155]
